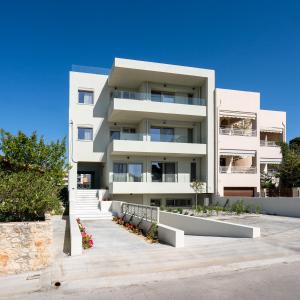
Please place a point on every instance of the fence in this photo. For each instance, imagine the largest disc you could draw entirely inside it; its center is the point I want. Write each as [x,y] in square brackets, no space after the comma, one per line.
[145,212]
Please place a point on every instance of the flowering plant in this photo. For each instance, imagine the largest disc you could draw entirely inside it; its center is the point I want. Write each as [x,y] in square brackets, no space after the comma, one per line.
[87,241]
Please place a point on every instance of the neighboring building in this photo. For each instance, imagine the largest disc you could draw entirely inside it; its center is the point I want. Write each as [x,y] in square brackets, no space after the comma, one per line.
[143,131]
[247,142]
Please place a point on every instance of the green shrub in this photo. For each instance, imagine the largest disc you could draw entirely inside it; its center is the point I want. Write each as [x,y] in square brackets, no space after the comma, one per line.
[199,209]
[258,209]
[180,210]
[218,208]
[27,196]
[162,208]
[238,207]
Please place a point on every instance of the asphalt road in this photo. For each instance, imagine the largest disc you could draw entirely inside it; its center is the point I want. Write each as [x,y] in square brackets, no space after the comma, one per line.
[280,281]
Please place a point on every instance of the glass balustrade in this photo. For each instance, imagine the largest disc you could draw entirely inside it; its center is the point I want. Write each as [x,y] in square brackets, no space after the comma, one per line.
[132,95]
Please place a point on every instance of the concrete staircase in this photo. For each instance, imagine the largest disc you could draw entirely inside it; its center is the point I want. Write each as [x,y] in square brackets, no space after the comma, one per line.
[87,205]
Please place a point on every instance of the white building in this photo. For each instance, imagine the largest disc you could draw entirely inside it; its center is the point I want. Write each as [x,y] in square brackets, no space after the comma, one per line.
[146,130]
[246,142]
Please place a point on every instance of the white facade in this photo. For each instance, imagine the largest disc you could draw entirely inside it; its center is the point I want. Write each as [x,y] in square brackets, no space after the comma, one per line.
[146,130]
[147,133]
[246,142]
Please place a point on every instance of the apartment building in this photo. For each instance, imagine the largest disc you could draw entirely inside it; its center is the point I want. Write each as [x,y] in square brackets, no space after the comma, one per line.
[247,142]
[142,132]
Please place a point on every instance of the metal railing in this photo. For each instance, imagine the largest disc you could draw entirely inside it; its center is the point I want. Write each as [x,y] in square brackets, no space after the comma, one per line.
[269,143]
[145,212]
[132,95]
[237,131]
[235,169]
[91,70]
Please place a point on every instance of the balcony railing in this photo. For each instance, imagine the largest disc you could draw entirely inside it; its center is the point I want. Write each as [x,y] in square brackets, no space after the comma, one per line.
[269,143]
[237,131]
[126,177]
[147,96]
[239,170]
[131,136]
[171,138]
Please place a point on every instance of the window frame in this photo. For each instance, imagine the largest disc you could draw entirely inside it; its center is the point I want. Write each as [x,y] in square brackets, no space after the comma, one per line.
[127,170]
[85,91]
[85,127]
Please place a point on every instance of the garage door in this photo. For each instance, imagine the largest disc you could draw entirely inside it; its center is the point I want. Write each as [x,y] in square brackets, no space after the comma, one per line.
[240,191]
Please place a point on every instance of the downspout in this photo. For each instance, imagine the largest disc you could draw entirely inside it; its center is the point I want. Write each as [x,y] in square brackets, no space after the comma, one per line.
[71,123]
[72,192]
[217,146]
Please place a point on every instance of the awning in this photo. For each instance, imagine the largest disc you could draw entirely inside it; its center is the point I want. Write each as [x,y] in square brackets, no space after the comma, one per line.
[272,129]
[234,152]
[237,114]
[273,161]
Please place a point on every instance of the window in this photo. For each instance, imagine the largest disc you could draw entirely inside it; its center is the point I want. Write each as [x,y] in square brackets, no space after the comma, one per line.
[115,134]
[163,172]
[134,172]
[156,96]
[190,133]
[127,172]
[85,133]
[190,99]
[179,202]
[193,171]
[159,96]
[85,97]
[162,134]
[155,202]
[222,161]
[128,130]
[169,97]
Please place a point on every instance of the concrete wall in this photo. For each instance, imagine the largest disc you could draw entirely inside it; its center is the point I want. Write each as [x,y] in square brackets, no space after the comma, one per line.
[206,227]
[282,206]
[25,246]
[75,236]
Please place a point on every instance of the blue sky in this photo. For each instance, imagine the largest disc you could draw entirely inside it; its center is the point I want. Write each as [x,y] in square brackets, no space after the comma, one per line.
[252,45]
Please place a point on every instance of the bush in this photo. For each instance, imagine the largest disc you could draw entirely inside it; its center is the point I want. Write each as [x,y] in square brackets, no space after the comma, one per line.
[27,196]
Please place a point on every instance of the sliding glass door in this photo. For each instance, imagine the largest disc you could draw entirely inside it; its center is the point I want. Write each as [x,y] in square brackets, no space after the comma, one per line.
[162,134]
[163,171]
[127,172]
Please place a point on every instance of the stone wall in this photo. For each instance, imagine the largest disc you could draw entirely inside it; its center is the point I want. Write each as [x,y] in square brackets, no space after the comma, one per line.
[25,246]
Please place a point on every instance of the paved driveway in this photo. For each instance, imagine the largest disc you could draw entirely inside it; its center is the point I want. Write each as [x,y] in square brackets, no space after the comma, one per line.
[121,258]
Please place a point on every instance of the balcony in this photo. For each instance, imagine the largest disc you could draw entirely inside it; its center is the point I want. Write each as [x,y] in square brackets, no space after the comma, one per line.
[133,144]
[268,143]
[164,98]
[237,131]
[136,106]
[151,188]
[237,170]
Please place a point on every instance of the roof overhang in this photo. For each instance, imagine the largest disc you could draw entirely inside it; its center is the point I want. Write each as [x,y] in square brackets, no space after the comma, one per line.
[274,161]
[272,129]
[234,152]
[237,114]
[132,73]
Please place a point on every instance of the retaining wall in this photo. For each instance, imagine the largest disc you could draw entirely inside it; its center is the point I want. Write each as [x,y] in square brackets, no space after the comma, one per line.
[282,206]
[206,227]
[25,246]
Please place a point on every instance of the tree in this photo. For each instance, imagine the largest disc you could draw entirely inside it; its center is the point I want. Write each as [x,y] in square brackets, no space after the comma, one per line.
[199,188]
[31,153]
[289,170]
[31,176]
[295,143]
